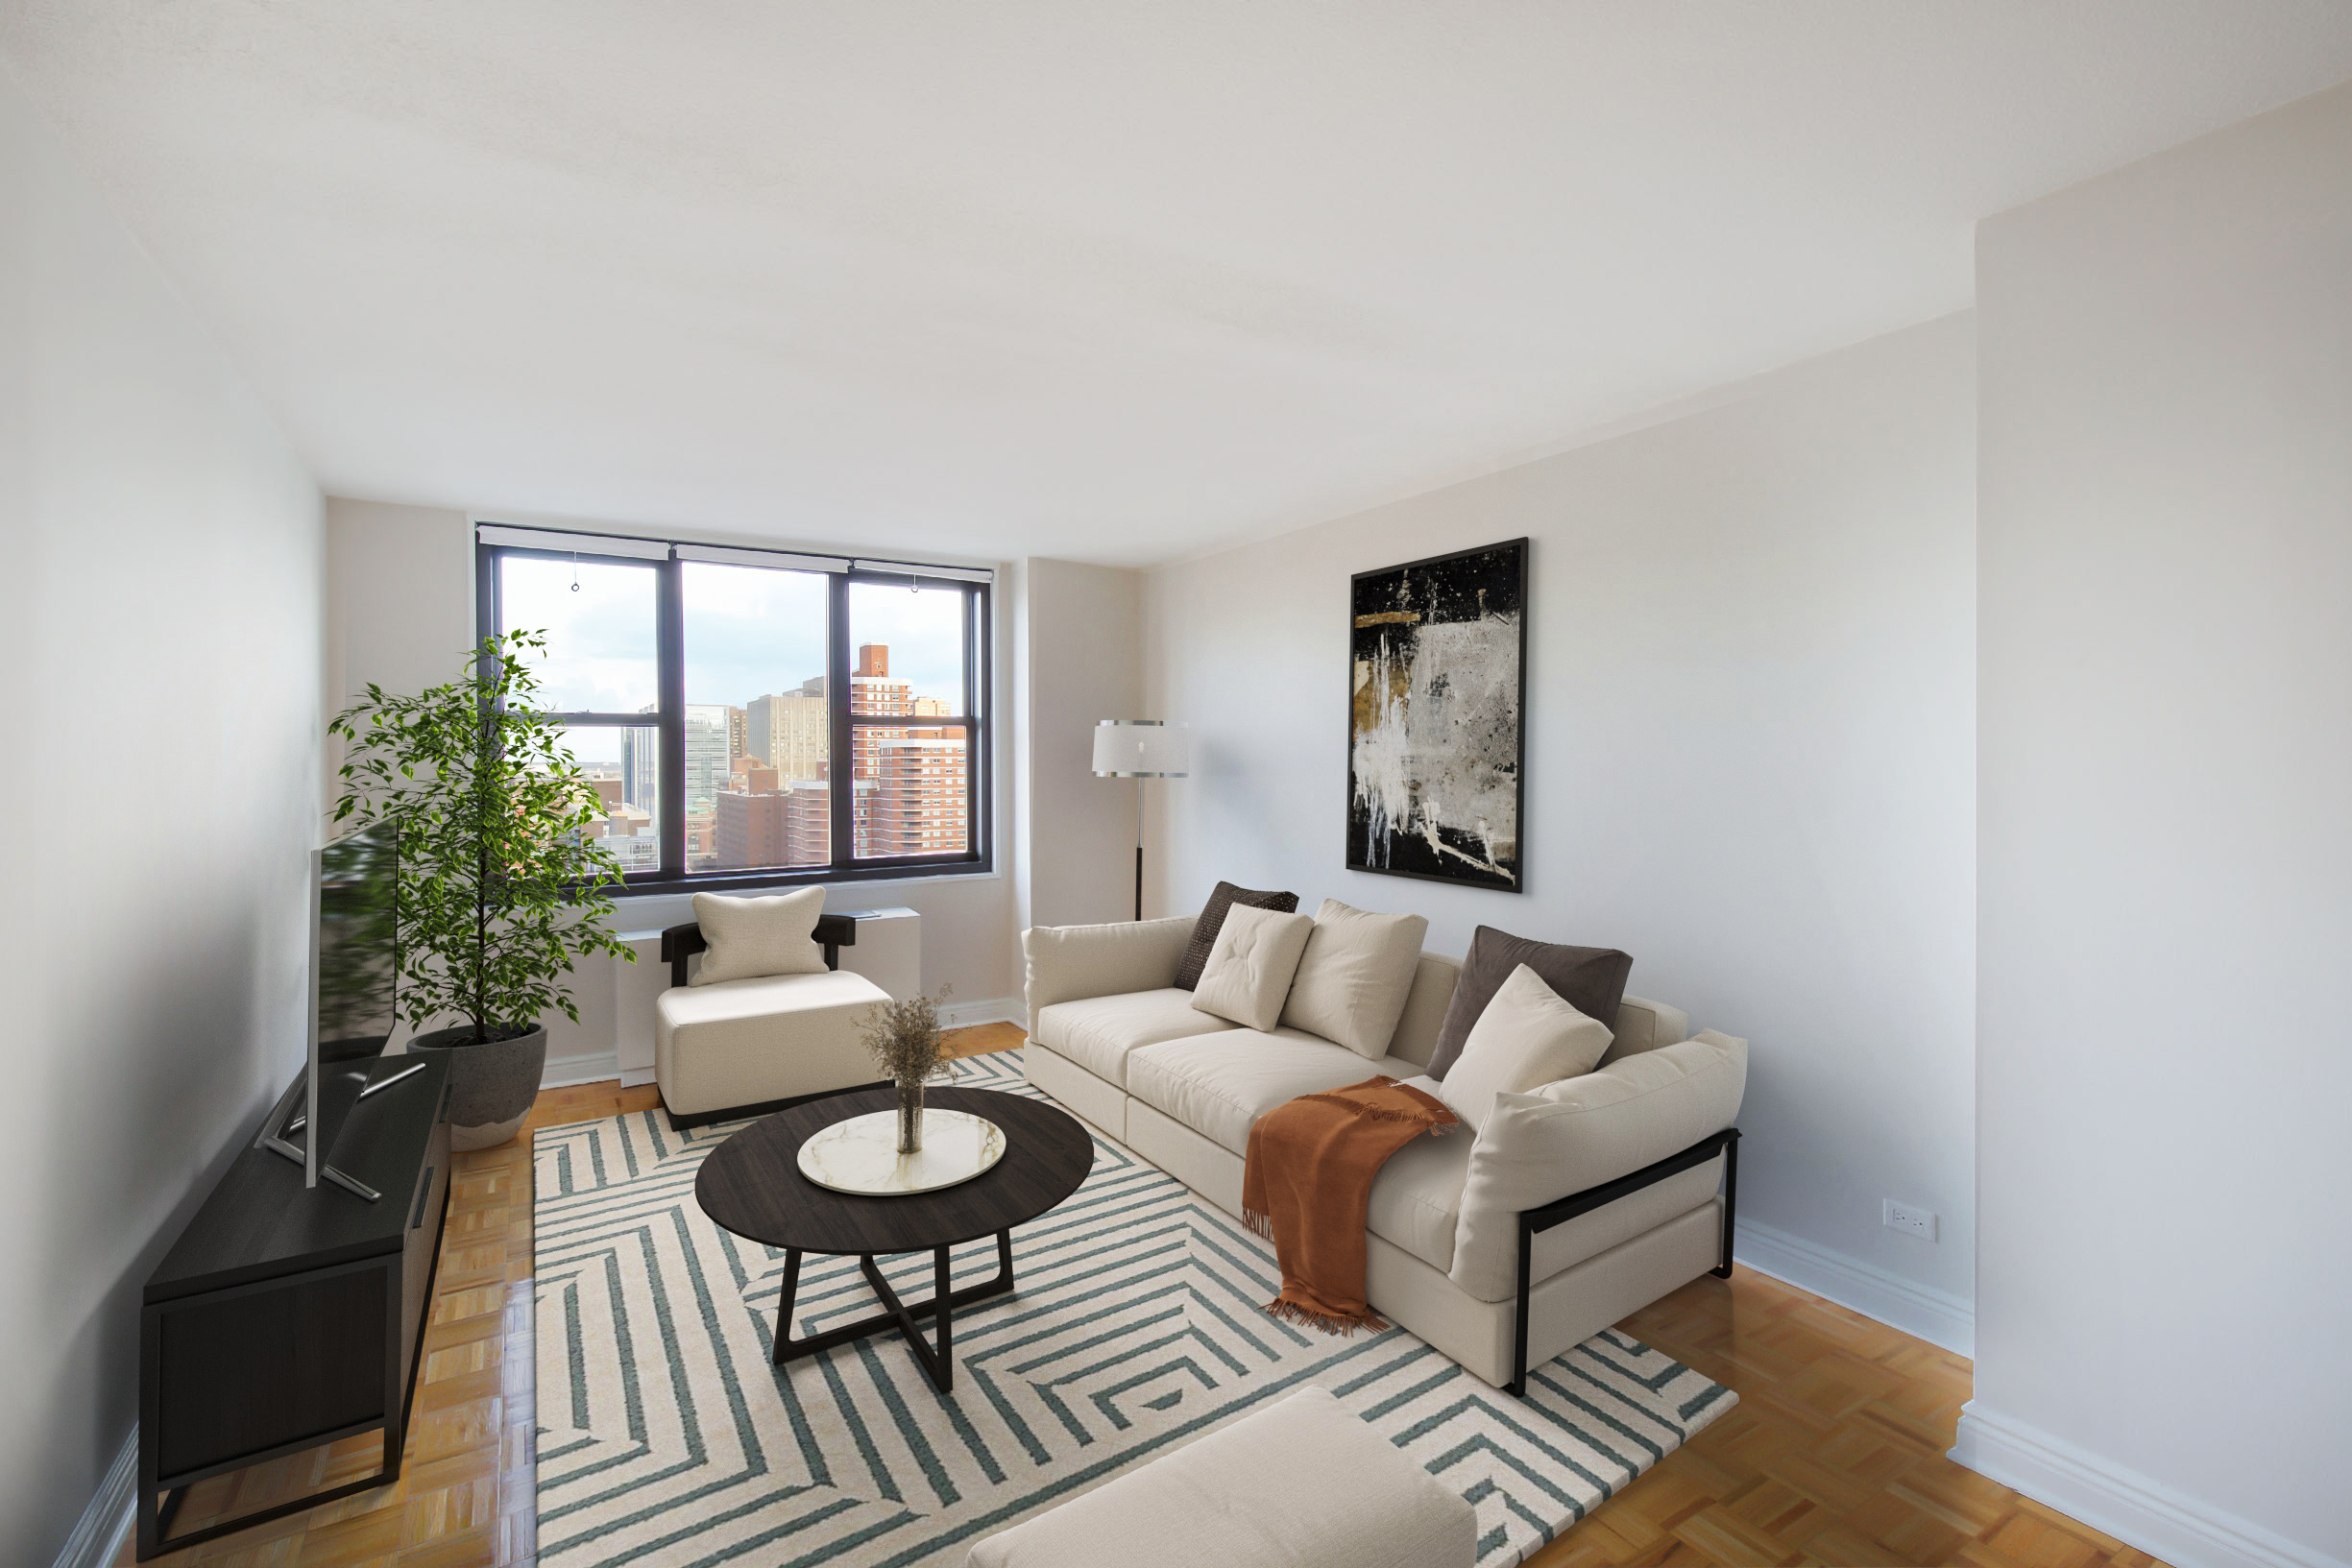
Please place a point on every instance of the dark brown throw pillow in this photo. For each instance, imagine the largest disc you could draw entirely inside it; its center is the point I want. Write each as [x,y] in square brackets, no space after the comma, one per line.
[1213,920]
[1590,980]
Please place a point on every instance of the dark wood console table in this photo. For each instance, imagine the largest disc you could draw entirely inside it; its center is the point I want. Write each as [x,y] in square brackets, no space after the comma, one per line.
[288,1316]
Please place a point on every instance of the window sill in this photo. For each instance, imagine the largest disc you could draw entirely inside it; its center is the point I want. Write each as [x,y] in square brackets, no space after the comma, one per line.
[753,885]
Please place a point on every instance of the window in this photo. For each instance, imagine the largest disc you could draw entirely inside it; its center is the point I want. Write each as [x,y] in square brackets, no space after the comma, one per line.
[754,716]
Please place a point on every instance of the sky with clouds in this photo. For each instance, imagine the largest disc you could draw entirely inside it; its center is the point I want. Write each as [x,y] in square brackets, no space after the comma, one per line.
[749,631]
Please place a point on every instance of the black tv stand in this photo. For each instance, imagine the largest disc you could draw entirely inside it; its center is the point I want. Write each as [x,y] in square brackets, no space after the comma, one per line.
[287,1317]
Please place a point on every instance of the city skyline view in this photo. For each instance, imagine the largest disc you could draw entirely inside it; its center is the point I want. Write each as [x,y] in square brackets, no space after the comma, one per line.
[749,631]
[756,788]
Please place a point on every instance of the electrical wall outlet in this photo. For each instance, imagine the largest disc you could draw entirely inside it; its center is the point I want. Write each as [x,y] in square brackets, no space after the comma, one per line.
[1912,1221]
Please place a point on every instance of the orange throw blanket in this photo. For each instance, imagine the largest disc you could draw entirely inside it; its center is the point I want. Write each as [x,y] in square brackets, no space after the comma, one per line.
[1308,1181]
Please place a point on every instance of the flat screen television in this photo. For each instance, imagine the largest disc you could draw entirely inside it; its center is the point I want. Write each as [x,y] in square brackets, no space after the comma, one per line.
[355,977]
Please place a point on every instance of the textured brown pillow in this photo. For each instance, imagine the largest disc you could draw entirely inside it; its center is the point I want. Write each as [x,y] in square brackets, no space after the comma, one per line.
[1590,980]
[1213,920]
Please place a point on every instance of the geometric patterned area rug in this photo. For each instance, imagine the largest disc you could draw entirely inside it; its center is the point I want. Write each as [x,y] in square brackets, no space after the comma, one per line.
[667,1438]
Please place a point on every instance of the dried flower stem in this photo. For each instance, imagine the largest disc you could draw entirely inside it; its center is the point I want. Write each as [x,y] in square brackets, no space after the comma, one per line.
[903,1037]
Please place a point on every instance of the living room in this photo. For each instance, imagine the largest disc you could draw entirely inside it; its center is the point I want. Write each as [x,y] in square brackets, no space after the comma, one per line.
[1895,461]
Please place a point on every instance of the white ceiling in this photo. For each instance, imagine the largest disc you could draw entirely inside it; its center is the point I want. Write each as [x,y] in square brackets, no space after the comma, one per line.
[1105,280]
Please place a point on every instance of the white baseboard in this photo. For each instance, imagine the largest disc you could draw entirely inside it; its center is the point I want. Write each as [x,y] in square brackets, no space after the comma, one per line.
[636,1077]
[97,1537]
[963,1015]
[562,1072]
[1937,1316]
[2134,1508]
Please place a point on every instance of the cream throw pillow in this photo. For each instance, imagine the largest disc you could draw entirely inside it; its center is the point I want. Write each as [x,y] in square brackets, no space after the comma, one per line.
[755,938]
[1354,977]
[1250,968]
[1525,1037]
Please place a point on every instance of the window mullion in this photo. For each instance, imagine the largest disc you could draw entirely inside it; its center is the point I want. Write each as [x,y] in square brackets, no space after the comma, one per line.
[840,796]
[669,645]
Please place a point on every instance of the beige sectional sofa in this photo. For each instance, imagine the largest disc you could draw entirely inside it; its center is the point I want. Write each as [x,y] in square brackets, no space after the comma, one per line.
[1606,1192]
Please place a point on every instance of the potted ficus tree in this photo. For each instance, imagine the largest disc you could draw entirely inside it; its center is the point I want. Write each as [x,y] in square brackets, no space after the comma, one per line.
[498,881]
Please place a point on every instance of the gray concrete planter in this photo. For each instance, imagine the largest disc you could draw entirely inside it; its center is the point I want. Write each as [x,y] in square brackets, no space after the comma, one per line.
[491,1085]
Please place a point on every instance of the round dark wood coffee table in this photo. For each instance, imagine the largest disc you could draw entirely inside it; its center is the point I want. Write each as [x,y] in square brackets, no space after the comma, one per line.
[752,1185]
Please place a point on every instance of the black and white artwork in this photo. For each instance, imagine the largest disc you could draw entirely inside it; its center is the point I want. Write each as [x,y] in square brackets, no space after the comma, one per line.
[1435,748]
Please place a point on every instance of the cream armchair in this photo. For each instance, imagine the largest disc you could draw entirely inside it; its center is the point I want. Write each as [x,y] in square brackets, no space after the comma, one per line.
[746,1047]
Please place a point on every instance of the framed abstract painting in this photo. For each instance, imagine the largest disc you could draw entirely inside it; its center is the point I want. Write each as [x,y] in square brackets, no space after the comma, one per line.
[1436,745]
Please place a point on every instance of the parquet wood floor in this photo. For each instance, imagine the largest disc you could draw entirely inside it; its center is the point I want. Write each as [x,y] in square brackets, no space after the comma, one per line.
[1833,1455]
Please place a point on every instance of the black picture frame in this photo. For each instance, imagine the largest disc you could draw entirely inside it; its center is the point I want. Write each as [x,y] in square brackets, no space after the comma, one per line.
[1444,585]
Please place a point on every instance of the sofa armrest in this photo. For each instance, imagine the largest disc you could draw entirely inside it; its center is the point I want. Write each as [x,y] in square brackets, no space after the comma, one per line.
[1070,963]
[1560,1210]
[1571,1137]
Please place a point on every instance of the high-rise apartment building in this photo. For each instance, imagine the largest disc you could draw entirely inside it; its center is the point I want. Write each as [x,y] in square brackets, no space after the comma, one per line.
[707,739]
[916,804]
[871,690]
[641,767]
[750,830]
[790,729]
[807,824]
[707,728]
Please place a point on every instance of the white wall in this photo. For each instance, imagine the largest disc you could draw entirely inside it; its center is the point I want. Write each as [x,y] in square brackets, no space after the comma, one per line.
[401,613]
[159,695]
[1080,653]
[1750,748]
[2165,846]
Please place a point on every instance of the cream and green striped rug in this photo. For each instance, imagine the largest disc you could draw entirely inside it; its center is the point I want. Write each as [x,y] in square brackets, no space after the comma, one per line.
[667,1438]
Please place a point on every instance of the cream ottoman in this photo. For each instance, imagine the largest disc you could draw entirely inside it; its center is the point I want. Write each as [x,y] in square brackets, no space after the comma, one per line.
[1300,1485]
[740,1045]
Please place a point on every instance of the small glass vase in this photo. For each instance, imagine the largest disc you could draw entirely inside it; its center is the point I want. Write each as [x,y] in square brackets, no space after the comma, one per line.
[911,1117]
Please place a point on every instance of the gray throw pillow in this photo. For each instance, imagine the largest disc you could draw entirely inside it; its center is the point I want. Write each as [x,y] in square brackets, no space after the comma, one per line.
[1212,921]
[1590,980]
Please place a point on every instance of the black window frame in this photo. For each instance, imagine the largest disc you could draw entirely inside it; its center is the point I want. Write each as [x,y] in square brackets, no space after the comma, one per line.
[668,719]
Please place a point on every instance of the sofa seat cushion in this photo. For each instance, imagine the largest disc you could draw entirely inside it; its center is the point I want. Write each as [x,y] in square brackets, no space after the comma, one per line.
[1098,1032]
[748,1042]
[1219,1084]
[1416,1198]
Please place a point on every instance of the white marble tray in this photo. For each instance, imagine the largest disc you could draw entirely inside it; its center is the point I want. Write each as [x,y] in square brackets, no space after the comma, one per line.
[861,1155]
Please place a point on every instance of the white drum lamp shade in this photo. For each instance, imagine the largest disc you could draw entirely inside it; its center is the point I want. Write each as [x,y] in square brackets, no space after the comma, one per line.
[1142,748]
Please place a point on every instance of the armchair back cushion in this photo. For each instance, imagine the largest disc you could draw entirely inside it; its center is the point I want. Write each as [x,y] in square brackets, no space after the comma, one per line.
[1212,920]
[1572,1136]
[1592,980]
[1250,970]
[754,938]
[1526,1038]
[1354,977]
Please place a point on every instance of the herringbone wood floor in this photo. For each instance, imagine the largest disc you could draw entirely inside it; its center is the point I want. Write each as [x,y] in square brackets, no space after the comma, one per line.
[1834,1454]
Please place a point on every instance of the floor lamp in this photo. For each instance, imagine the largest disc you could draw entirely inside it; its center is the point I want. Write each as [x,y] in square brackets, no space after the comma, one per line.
[1140,749]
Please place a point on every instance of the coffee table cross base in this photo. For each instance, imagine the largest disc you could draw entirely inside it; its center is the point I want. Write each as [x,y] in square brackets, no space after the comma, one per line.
[938,1363]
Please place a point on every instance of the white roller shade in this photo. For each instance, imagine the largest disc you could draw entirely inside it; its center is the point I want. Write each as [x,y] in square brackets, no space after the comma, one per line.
[915,568]
[1142,748]
[543,538]
[773,560]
